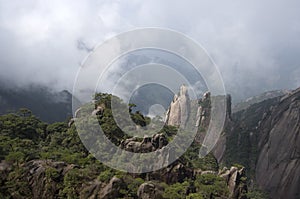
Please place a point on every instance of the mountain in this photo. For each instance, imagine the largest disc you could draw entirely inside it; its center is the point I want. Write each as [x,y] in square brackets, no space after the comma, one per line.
[258,150]
[49,106]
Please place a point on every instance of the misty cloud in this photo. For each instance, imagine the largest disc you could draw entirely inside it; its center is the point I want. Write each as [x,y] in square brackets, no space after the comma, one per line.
[255,44]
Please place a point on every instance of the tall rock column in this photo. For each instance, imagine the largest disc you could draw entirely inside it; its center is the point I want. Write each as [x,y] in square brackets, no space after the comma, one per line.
[178,112]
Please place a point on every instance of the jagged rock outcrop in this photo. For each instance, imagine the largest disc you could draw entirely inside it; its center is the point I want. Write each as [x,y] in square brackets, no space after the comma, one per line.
[149,190]
[45,179]
[42,176]
[265,138]
[178,112]
[148,144]
[99,190]
[203,116]
[278,163]
[176,172]
[234,177]
[203,112]
[236,185]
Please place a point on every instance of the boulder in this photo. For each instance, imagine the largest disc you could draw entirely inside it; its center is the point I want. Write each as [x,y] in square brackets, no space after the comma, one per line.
[149,190]
[148,144]
[112,189]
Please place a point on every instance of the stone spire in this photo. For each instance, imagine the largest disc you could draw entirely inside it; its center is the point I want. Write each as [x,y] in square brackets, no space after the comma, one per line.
[178,111]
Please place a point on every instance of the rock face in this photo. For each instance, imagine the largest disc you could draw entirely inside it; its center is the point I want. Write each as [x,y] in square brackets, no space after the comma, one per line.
[265,138]
[178,112]
[203,112]
[242,134]
[278,163]
[203,116]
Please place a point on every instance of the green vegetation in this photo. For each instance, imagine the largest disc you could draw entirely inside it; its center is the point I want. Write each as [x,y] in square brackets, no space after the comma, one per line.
[66,167]
[211,186]
[205,186]
[209,162]
[177,190]
[257,194]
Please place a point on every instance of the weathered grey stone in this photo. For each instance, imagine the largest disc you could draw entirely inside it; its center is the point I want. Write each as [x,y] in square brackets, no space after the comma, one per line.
[178,112]
[149,190]
[98,111]
[148,144]
[278,164]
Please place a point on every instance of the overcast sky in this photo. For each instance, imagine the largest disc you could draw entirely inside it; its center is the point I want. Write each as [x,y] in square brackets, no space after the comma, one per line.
[256,44]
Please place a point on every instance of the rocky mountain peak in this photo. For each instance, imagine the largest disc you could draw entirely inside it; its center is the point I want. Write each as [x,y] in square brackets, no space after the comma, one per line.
[183,90]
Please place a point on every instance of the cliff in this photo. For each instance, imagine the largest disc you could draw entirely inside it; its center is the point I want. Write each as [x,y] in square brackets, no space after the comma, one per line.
[278,163]
[265,139]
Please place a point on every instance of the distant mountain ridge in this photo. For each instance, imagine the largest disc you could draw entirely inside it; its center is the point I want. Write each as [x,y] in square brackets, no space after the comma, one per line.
[50,106]
[257,99]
